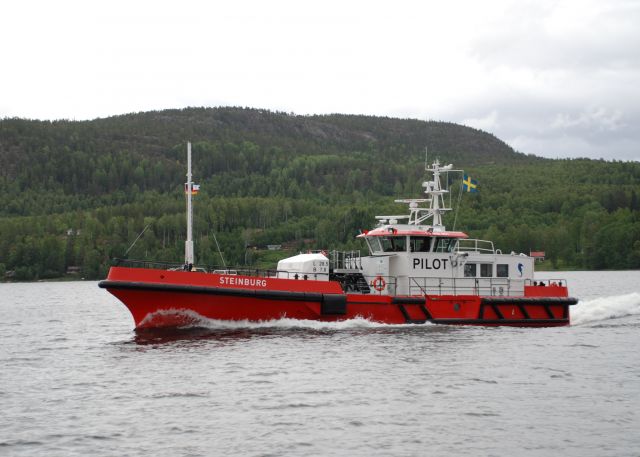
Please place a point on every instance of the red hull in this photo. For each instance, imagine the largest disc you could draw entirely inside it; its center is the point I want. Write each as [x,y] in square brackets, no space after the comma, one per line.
[161,298]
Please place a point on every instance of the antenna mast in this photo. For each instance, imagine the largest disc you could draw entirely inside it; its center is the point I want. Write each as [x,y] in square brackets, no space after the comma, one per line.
[426,158]
[188,244]
[434,198]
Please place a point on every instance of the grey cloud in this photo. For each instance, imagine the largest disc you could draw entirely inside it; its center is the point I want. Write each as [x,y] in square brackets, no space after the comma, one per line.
[545,36]
[563,93]
[559,128]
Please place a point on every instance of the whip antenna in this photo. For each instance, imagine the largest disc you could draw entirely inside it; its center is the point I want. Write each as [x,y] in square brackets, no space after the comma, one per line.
[136,240]
[219,251]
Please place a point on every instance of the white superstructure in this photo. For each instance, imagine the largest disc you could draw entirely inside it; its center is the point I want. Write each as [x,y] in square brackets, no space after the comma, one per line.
[409,257]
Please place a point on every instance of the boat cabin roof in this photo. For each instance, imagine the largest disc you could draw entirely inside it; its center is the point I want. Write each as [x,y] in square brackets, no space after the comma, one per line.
[410,231]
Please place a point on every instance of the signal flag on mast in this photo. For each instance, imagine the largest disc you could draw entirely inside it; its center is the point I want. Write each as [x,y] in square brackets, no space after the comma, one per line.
[194,188]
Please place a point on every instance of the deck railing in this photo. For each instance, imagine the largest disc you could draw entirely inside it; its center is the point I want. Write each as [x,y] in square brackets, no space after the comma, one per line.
[465,286]
[345,260]
[174,266]
[416,285]
[473,245]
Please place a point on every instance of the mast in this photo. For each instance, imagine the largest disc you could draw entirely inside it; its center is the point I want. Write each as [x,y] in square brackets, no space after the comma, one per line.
[188,244]
[436,192]
[434,198]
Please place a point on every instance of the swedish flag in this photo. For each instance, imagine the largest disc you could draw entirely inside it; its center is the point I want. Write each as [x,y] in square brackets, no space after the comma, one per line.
[469,185]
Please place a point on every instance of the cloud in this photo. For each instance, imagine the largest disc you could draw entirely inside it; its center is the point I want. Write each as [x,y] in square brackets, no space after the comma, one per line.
[489,122]
[553,78]
[576,35]
[563,78]
[594,119]
[575,146]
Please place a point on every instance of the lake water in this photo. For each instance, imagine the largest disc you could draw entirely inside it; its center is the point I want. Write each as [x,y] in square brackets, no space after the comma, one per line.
[76,380]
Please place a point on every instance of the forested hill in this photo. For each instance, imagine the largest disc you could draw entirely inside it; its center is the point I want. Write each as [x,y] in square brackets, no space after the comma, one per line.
[73,194]
[84,156]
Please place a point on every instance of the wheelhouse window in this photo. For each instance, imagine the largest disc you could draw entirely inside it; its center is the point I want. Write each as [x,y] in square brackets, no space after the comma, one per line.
[470,270]
[486,270]
[420,243]
[502,270]
[374,244]
[394,243]
[445,244]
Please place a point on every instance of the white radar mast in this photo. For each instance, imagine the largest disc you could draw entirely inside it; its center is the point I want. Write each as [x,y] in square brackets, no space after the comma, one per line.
[435,199]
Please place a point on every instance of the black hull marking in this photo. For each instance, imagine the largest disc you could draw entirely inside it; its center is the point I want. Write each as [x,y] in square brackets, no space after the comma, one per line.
[248,293]
[408,300]
[519,322]
[529,300]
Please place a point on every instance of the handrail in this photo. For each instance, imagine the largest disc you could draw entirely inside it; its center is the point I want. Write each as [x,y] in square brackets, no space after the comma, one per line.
[346,260]
[475,246]
[418,285]
[175,266]
[469,286]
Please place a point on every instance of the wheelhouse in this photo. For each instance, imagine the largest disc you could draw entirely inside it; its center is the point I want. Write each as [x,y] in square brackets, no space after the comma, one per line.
[382,242]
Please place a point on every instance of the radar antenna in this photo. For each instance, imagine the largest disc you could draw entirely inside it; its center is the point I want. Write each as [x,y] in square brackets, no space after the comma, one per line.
[434,198]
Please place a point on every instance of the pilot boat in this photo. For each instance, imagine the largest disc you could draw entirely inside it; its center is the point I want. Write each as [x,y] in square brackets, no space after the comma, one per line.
[415,272]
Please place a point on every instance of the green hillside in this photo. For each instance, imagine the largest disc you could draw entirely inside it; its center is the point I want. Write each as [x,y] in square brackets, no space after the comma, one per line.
[74,194]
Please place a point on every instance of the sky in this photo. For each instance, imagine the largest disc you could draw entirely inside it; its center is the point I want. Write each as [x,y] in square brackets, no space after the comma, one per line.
[550,78]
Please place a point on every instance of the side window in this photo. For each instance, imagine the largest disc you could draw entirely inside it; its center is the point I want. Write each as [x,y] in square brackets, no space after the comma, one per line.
[445,244]
[502,270]
[420,244]
[470,270]
[374,244]
[394,243]
[486,270]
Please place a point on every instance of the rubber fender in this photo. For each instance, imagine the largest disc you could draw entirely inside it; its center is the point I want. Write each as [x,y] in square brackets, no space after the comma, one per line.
[333,304]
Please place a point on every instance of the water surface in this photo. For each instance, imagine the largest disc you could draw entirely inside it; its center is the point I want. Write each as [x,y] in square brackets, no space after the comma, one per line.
[75,379]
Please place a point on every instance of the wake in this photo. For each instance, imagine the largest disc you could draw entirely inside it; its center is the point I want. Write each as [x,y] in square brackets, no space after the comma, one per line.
[603,308]
[287,323]
[585,312]
[191,320]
